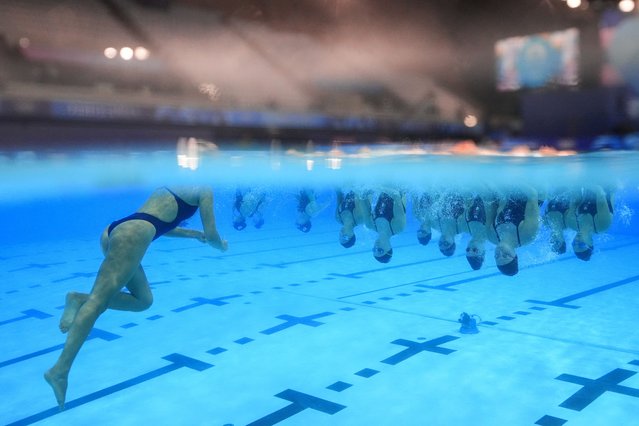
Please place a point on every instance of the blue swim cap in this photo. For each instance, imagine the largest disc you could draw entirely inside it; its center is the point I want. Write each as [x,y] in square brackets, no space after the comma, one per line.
[447,250]
[511,268]
[423,237]
[585,254]
[475,262]
[239,224]
[582,249]
[559,247]
[385,258]
[347,242]
[304,227]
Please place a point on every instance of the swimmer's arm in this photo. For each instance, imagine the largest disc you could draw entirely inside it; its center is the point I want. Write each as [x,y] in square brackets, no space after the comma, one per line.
[340,198]
[604,217]
[530,227]
[207,215]
[186,233]
[399,215]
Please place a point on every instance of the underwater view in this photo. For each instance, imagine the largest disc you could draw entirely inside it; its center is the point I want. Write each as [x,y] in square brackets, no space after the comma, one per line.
[350,286]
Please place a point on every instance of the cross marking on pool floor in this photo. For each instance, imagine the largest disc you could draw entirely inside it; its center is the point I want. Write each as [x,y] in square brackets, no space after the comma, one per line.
[413,348]
[299,402]
[199,301]
[96,333]
[76,275]
[593,389]
[29,313]
[293,320]
[561,302]
[177,361]
[37,266]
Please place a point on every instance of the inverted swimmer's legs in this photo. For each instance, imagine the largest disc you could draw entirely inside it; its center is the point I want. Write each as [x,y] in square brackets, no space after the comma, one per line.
[118,268]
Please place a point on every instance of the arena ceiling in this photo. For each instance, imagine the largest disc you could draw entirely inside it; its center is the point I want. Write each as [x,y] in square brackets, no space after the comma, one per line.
[449,40]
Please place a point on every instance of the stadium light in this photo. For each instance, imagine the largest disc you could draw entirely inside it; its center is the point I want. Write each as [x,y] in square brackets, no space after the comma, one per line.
[470,120]
[126,53]
[141,53]
[573,4]
[110,52]
[627,5]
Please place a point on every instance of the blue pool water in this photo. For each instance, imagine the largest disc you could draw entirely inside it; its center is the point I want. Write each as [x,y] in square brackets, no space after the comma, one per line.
[293,329]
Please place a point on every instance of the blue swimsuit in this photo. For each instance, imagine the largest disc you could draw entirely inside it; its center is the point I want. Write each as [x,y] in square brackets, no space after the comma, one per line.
[185,211]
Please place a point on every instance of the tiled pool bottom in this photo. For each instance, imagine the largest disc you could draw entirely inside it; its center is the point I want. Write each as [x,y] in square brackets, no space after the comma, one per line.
[290,328]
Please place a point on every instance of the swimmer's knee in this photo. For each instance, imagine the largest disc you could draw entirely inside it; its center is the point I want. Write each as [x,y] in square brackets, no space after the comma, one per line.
[146,303]
[94,305]
[143,303]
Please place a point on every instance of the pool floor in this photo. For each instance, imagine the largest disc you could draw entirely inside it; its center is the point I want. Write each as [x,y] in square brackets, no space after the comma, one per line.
[292,329]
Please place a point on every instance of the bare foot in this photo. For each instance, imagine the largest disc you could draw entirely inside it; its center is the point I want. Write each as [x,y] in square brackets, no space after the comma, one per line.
[59,385]
[72,305]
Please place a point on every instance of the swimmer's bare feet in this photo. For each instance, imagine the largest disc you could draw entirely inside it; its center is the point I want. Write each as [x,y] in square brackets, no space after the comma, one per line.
[59,385]
[72,305]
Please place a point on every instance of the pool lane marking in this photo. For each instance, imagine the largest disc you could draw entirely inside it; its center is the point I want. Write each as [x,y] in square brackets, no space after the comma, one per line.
[247,253]
[447,286]
[550,421]
[104,335]
[290,321]
[12,257]
[29,313]
[403,285]
[285,264]
[94,334]
[248,241]
[176,360]
[76,275]
[562,302]
[333,256]
[485,323]
[118,336]
[37,266]
[591,390]
[299,402]
[302,401]
[594,388]
[414,348]
[358,275]
[199,301]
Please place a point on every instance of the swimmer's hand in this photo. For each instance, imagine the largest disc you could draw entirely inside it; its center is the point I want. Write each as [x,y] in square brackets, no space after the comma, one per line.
[219,244]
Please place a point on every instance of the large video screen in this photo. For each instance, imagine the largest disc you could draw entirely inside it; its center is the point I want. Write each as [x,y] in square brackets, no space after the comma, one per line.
[618,34]
[539,60]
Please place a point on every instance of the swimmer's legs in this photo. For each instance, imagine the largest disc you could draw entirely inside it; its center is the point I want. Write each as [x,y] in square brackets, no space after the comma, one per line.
[119,267]
[72,304]
[139,298]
